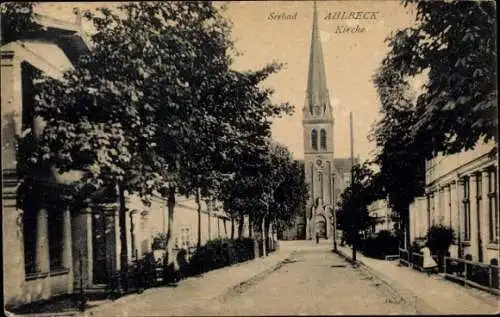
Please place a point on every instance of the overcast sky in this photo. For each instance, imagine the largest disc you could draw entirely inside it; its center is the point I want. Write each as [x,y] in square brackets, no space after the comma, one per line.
[351,58]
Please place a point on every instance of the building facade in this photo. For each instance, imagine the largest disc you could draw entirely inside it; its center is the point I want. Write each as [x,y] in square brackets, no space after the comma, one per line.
[50,249]
[462,193]
[39,260]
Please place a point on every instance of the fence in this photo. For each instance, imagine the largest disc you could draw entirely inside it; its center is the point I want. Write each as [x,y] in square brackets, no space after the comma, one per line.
[479,275]
[413,260]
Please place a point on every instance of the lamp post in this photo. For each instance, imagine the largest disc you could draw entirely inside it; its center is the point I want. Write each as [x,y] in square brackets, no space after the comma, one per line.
[334,214]
[354,229]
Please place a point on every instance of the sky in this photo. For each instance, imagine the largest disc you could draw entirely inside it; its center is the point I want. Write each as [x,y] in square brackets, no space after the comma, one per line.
[351,59]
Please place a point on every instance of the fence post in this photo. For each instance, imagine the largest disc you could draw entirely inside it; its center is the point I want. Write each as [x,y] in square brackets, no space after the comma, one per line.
[490,276]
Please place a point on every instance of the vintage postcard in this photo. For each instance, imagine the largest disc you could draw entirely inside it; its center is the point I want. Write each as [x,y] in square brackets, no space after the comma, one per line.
[255,158]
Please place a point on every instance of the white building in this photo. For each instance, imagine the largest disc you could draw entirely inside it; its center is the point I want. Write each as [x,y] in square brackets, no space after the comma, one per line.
[462,192]
[382,215]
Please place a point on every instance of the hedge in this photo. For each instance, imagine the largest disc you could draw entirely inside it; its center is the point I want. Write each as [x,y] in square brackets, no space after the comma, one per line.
[380,245]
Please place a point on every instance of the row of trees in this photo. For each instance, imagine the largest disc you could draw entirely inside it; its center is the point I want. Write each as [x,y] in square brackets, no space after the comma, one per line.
[452,45]
[155,108]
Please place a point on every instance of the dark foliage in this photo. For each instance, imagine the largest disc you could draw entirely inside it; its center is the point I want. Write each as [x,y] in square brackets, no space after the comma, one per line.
[219,253]
[382,244]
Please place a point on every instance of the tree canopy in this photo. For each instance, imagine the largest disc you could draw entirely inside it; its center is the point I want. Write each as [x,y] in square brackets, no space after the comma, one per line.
[17,20]
[455,43]
[452,44]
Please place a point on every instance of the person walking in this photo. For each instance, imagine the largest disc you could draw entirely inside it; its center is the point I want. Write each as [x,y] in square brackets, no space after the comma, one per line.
[317,237]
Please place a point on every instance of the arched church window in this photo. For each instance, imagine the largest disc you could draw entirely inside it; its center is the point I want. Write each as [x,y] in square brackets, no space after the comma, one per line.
[314,139]
[322,136]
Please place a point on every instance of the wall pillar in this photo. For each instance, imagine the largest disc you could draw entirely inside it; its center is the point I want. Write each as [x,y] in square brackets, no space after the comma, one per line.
[454,206]
[474,241]
[42,242]
[460,218]
[67,256]
[449,212]
[484,214]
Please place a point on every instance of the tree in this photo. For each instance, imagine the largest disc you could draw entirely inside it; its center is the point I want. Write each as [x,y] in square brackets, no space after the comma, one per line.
[154,107]
[400,156]
[291,195]
[457,106]
[352,214]
[455,109]
[267,188]
[18,20]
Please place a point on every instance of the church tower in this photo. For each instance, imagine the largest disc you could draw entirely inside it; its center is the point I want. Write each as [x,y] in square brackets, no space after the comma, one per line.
[318,142]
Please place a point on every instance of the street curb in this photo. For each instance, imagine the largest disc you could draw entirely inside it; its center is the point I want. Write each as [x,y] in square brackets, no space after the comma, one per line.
[421,307]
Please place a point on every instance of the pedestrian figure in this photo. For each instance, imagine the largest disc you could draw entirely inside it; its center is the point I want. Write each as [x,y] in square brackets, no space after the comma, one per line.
[317,237]
[428,262]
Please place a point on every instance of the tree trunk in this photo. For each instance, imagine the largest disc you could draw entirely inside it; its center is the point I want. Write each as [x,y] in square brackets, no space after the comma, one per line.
[250,229]
[255,241]
[405,227]
[123,239]
[198,203]
[232,227]
[170,240]
[267,225]
[264,250]
[241,222]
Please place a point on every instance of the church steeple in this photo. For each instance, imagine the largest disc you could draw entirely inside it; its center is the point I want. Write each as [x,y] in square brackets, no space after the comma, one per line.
[317,99]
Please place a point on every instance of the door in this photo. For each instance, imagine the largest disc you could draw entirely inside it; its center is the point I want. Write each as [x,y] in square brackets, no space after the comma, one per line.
[99,244]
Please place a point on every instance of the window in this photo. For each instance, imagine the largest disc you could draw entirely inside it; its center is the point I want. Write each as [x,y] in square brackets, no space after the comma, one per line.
[29,233]
[55,221]
[314,139]
[466,207]
[183,241]
[322,138]
[493,206]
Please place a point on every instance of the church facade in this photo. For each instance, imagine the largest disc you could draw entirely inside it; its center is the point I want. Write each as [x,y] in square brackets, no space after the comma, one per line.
[325,175]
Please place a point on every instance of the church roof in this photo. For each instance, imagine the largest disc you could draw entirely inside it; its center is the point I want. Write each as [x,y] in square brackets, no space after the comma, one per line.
[317,91]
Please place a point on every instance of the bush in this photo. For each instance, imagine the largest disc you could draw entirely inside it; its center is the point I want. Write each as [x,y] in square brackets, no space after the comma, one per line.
[439,240]
[380,245]
[219,253]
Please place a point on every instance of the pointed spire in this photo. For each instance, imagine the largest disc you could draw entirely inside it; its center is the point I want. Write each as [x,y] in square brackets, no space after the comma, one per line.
[317,92]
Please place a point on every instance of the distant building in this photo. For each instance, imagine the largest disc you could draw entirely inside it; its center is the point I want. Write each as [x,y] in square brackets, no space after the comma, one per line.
[326,175]
[462,192]
[384,218]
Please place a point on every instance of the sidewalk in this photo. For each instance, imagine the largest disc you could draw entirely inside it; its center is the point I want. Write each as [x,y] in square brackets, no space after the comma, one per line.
[193,294]
[431,294]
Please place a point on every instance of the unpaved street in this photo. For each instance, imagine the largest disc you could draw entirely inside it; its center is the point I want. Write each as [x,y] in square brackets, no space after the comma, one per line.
[313,280]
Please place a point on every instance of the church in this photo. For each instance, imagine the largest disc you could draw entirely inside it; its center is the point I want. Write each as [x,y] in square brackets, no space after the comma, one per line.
[326,175]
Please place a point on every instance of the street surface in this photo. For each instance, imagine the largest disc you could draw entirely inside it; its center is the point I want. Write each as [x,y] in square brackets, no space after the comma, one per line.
[313,280]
